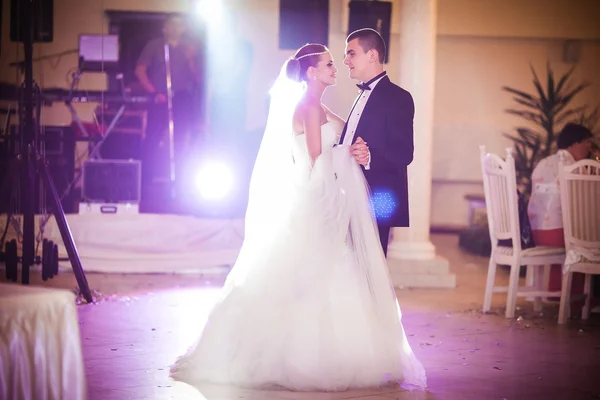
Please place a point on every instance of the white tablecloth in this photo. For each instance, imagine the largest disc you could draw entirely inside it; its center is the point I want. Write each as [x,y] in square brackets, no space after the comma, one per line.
[40,347]
[148,243]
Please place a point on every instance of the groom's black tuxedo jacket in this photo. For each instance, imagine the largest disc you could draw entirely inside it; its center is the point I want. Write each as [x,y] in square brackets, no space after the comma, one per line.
[387,126]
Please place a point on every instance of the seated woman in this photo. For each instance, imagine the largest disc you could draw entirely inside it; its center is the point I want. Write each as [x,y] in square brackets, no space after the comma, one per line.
[545,216]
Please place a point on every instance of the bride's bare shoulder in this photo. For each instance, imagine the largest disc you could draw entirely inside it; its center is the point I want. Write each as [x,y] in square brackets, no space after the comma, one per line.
[331,116]
[298,118]
[302,109]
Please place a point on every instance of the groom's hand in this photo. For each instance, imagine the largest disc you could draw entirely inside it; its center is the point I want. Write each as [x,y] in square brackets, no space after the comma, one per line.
[360,151]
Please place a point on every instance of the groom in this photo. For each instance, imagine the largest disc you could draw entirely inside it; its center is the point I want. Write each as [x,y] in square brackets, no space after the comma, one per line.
[379,130]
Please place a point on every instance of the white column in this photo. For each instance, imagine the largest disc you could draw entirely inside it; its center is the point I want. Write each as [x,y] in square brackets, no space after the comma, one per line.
[411,255]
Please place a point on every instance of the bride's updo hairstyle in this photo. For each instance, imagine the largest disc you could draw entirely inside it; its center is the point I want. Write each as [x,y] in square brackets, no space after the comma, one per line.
[307,56]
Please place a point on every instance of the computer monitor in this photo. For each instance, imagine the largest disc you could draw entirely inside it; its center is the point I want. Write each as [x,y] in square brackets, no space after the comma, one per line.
[98,52]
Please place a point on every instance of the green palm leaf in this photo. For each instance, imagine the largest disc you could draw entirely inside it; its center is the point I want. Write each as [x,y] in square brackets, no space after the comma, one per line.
[549,108]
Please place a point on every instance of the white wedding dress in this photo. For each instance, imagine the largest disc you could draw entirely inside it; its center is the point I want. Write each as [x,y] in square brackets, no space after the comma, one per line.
[304,310]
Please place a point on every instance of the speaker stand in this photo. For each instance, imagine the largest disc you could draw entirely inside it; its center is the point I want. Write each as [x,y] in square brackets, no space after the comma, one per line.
[29,163]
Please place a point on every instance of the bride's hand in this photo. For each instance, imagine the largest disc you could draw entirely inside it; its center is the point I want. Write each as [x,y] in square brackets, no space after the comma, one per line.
[360,151]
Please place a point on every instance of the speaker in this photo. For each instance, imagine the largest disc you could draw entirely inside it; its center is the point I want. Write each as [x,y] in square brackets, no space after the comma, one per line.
[59,145]
[42,19]
[1,8]
[302,22]
[372,14]
[112,181]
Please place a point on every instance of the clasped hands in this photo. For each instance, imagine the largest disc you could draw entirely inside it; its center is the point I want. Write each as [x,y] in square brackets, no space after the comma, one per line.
[360,151]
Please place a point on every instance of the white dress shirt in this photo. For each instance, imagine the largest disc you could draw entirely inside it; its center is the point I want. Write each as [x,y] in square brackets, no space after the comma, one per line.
[355,114]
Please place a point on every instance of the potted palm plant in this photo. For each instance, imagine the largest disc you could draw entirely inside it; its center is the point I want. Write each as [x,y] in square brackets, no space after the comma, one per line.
[544,112]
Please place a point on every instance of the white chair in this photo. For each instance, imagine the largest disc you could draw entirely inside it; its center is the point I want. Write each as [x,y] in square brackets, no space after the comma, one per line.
[580,205]
[500,187]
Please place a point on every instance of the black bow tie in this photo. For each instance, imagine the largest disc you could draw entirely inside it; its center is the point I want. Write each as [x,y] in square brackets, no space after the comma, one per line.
[367,86]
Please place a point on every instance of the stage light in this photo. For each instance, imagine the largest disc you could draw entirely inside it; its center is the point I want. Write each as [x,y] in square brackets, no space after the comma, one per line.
[384,204]
[214,180]
[209,10]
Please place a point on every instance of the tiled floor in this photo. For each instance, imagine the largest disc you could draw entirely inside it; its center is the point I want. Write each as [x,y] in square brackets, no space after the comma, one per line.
[142,323]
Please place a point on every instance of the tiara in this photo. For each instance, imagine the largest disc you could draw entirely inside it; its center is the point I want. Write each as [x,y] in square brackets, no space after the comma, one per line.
[310,54]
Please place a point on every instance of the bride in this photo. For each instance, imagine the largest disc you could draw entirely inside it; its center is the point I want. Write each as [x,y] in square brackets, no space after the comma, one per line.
[309,304]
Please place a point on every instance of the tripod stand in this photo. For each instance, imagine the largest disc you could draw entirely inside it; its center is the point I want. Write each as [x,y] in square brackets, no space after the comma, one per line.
[31,165]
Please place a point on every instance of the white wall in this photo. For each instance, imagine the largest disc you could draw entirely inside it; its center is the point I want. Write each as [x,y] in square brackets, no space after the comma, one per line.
[556,19]
[469,106]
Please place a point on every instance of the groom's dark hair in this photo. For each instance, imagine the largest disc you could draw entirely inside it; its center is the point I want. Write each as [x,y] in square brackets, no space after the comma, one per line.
[369,39]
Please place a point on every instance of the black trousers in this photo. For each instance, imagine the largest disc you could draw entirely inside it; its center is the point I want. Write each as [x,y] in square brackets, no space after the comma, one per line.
[384,237]
[155,155]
